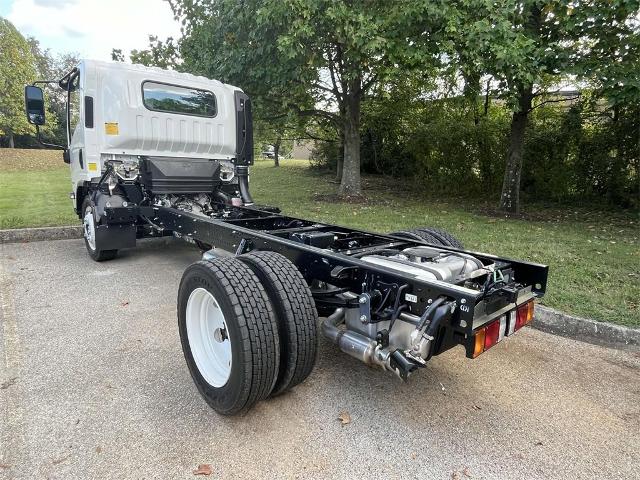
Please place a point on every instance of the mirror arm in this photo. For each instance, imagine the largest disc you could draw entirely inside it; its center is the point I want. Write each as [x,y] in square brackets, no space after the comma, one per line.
[45,144]
[44,82]
[39,135]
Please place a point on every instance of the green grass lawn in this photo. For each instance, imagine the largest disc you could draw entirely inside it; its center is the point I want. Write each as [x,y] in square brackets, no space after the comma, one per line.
[594,256]
[34,189]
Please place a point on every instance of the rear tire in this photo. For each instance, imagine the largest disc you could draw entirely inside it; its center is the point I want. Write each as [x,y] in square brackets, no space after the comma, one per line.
[446,237]
[226,297]
[417,235]
[89,221]
[295,313]
[435,236]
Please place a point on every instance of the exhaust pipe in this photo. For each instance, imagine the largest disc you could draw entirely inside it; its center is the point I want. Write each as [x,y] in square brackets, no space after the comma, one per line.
[351,343]
[363,348]
[243,184]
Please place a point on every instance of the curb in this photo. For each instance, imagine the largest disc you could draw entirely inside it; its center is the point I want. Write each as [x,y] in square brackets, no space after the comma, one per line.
[546,319]
[40,234]
[599,333]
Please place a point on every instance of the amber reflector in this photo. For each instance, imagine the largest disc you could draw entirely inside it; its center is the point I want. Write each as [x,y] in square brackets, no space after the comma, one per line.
[479,345]
[530,312]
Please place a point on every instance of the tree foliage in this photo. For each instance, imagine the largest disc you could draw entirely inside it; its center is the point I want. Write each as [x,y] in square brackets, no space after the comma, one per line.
[529,46]
[53,67]
[17,68]
[160,53]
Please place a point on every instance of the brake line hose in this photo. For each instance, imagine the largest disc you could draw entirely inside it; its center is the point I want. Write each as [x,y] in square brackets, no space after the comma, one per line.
[428,313]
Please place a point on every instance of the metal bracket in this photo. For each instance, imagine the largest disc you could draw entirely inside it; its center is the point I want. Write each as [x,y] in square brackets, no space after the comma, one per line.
[244,246]
[364,302]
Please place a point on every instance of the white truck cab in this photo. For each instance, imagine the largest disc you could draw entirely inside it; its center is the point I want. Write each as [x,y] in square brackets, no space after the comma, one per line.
[133,110]
[138,135]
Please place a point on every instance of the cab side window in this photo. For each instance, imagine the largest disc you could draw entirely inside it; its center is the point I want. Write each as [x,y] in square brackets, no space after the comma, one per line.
[163,97]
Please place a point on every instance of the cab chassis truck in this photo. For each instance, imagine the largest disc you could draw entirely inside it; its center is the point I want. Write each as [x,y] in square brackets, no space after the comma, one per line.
[157,153]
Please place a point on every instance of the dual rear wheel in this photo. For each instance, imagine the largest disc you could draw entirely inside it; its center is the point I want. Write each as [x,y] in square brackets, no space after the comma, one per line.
[247,327]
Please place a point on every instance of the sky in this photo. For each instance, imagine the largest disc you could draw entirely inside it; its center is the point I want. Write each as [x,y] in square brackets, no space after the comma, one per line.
[91,27]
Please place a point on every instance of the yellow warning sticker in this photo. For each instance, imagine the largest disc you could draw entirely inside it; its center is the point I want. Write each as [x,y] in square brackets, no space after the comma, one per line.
[111,128]
[93,167]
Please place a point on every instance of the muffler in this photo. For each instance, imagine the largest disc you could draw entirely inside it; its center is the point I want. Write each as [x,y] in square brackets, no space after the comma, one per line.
[363,348]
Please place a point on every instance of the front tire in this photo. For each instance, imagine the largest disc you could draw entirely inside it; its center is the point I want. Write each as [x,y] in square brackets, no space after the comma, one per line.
[228,333]
[89,222]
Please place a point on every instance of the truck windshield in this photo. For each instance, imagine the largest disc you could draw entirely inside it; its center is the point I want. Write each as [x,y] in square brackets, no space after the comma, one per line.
[163,97]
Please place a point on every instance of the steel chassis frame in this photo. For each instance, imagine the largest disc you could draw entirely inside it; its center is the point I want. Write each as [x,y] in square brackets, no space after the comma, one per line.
[254,228]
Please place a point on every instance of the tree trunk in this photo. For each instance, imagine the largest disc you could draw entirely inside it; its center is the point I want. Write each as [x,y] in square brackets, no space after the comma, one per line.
[276,153]
[480,110]
[340,157]
[617,164]
[11,141]
[510,197]
[350,182]
[638,167]
[485,162]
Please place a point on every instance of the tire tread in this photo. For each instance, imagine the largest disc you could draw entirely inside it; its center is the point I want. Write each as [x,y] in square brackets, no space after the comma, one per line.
[435,236]
[447,238]
[295,312]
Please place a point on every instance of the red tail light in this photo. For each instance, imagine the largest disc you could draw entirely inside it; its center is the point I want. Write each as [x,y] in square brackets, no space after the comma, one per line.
[491,334]
[488,336]
[524,315]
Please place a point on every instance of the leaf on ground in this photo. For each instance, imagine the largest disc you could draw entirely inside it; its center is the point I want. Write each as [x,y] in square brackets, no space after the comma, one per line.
[98,449]
[344,418]
[455,475]
[8,383]
[203,469]
[56,461]
[4,465]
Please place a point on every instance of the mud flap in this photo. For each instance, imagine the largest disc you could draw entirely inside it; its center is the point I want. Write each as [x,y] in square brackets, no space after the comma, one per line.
[115,237]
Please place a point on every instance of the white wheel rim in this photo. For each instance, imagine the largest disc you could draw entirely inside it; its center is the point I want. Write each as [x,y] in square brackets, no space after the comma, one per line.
[208,337]
[89,228]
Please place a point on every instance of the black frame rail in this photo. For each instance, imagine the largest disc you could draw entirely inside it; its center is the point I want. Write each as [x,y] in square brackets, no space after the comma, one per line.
[243,229]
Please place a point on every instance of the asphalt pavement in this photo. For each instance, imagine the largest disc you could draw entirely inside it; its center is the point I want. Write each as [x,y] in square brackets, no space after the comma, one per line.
[93,385]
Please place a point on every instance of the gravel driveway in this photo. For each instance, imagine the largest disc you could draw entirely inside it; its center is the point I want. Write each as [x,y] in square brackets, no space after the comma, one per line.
[93,385]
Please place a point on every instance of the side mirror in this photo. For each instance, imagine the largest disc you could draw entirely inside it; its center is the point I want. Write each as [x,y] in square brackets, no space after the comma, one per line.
[34,103]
